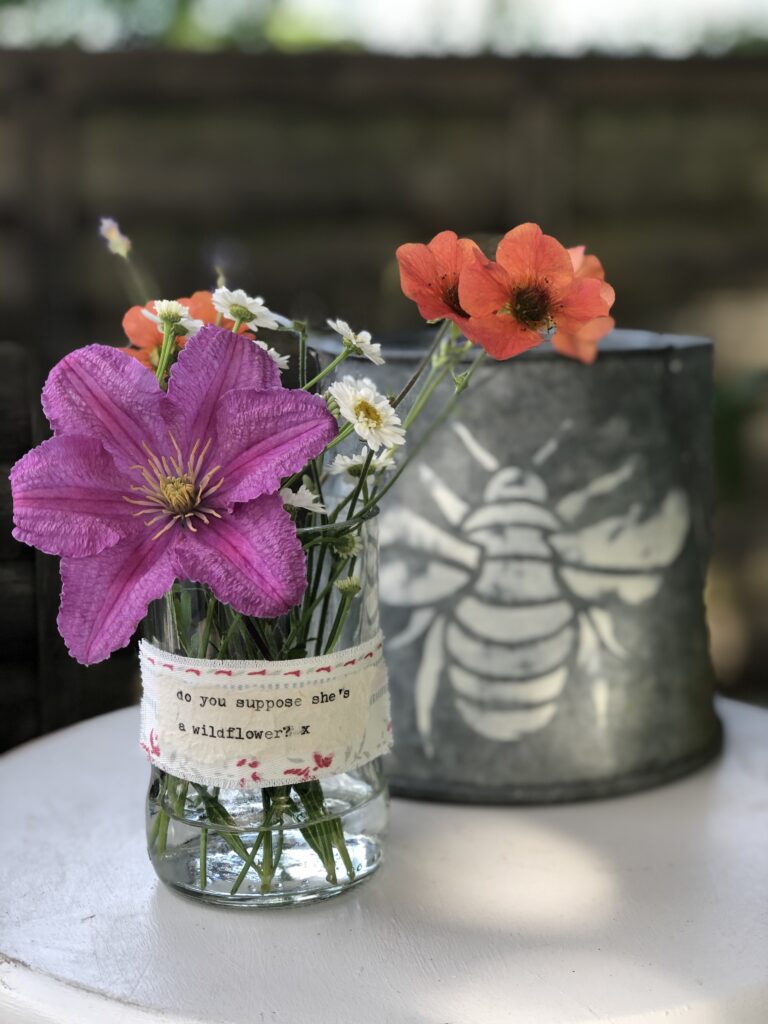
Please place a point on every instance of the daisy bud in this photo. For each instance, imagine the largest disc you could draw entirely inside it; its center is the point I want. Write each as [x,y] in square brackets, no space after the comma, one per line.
[359,343]
[350,587]
[345,546]
[117,242]
[460,381]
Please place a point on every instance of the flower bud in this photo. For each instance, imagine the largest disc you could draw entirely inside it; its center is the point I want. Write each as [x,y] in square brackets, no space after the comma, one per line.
[349,587]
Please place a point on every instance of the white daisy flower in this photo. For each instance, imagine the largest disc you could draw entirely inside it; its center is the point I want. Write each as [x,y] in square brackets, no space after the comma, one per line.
[369,412]
[276,357]
[237,305]
[352,464]
[117,242]
[302,497]
[360,344]
[169,311]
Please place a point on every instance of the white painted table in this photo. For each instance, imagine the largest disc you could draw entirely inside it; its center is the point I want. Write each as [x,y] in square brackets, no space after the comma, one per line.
[647,908]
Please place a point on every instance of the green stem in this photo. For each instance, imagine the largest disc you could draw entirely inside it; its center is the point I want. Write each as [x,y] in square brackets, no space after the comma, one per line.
[206,637]
[415,449]
[166,351]
[228,635]
[180,639]
[162,835]
[153,832]
[338,623]
[204,858]
[440,334]
[138,285]
[301,330]
[344,354]
[249,862]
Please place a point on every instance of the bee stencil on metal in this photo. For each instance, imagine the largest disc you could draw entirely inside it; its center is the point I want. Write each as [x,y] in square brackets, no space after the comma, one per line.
[529,604]
[531,592]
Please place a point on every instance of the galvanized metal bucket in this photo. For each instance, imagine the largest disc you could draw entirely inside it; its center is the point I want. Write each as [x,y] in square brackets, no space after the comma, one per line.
[543,566]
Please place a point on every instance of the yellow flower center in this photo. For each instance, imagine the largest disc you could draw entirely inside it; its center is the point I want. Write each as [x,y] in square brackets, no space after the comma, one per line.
[175,492]
[365,410]
[178,492]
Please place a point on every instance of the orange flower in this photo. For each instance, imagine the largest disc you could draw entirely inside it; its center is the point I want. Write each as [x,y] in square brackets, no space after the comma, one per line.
[582,345]
[429,274]
[145,338]
[530,289]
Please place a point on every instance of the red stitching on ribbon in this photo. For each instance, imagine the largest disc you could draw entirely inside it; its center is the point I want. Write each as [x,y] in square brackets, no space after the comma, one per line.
[223,672]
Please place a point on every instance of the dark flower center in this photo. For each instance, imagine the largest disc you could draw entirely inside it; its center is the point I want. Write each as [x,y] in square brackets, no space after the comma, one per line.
[450,290]
[530,306]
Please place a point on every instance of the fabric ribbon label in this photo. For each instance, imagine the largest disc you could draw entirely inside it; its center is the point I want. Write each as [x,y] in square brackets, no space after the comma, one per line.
[251,724]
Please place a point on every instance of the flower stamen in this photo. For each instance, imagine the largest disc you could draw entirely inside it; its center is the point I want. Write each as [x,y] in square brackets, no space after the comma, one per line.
[173,493]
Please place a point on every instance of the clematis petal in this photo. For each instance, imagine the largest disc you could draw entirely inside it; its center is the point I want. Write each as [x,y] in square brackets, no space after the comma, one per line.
[97,392]
[105,597]
[501,336]
[68,498]
[144,355]
[264,436]
[213,362]
[140,331]
[527,254]
[251,559]
[586,299]
[484,287]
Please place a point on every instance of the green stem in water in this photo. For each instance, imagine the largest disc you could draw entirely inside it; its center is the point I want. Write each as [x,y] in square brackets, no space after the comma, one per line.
[338,622]
[234,624]
[210,611]
[204,858]
[162,834]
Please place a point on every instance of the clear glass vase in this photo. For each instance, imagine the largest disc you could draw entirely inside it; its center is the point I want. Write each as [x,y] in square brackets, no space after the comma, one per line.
[280,845]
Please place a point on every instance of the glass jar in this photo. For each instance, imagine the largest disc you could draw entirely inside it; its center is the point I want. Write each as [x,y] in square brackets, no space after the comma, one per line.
[280,845]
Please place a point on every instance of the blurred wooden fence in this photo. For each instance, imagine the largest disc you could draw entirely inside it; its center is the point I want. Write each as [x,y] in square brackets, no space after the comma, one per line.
[303,174]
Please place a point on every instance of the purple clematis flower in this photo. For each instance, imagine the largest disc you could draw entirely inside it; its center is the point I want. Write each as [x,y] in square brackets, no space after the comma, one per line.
[139,487]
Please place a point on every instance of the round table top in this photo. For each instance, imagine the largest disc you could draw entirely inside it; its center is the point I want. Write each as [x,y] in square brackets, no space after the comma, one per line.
[645,908]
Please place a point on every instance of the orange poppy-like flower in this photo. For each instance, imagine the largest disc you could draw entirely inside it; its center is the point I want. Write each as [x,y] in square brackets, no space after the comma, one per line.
[429,274]
[582,345]
[529,290]
[144,337]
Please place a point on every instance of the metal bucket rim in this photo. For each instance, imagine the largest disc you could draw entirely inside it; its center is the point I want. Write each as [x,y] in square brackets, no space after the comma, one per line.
[408,346]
